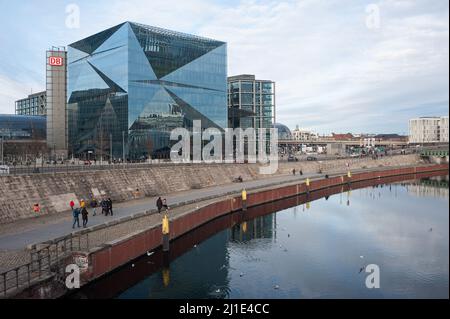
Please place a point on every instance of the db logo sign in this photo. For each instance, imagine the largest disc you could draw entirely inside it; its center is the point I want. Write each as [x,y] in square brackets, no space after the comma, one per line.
[55,61]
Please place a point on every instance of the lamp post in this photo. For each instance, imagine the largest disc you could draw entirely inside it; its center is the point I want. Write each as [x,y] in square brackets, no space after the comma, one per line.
[123,148]
[110,148]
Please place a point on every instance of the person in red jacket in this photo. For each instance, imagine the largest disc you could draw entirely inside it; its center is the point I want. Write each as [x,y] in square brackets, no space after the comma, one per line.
[72,204]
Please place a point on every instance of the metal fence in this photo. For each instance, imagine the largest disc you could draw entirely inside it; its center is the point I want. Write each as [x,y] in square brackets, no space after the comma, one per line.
[44,261]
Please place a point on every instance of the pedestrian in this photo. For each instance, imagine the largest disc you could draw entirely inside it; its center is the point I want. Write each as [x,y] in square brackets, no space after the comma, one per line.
[36,208]
[294,171]
[159,204]
[301,172]
[104,205]
[76,217]
[94,205]
[165,204]
[72,204]
[84,215]
[82,204]
[110,208]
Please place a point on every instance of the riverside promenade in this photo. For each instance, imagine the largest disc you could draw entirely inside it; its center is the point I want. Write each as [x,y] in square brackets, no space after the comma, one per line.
[127,224]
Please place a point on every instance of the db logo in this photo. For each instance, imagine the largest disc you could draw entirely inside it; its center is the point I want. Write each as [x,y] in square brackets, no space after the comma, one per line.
[55,61]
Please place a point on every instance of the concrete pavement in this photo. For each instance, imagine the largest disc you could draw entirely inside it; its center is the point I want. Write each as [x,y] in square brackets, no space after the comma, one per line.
[18,235]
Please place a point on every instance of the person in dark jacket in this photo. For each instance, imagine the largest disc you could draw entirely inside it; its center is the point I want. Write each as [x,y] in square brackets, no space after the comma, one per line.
[159,204]
[76,217]
[104,207]
[110,208]
[84,215]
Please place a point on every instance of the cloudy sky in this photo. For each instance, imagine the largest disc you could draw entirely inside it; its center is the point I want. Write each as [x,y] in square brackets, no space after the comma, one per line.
[339,65]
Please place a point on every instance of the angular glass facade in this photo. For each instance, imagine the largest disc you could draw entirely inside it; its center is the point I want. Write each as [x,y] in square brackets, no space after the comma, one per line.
[131,85]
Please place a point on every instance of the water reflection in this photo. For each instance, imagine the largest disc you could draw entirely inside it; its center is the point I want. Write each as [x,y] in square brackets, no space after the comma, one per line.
[308,249]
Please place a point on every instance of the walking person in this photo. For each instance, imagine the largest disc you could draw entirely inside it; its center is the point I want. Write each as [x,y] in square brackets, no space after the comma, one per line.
[104,205]
[294,171]
[110,208]
[84,216]
[76,217]
[165,204]
[94,205]
[159,204]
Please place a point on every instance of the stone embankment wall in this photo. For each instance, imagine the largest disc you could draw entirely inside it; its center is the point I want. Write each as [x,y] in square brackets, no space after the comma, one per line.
[53,192]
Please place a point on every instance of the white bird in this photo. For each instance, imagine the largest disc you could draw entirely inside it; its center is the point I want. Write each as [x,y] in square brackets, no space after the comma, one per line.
[276,287]
[149,253]
[361,257]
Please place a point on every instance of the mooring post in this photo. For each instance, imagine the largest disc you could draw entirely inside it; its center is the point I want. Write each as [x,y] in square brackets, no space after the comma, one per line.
[244,200]
[165,233]
[349,175]
[308,183]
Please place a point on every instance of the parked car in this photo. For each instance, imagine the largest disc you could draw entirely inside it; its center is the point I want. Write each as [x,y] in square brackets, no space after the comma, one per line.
[311,158]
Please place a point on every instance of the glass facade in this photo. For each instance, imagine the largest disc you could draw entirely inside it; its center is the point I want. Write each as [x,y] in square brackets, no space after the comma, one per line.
[21,127]
[255,97]
[131,85]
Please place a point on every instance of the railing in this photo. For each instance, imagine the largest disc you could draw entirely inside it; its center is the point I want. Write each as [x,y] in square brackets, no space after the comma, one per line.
[44,261]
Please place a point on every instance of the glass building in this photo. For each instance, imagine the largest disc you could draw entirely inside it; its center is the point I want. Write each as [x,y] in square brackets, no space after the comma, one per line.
[131,85]
[21,127]
[251,102]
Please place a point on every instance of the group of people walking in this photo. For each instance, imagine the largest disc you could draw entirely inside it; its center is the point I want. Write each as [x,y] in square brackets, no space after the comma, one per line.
[105,204]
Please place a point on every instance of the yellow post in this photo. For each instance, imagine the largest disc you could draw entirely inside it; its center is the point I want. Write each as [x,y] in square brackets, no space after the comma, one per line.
[165,233]
[244,200]
[166,276]
[308,182]
[244,227]
[349,174]
[165,225]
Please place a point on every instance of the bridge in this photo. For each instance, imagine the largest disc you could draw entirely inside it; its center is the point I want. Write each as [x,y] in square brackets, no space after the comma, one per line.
[434,153]
[350,143]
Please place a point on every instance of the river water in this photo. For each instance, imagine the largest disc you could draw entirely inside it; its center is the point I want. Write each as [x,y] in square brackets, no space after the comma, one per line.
[316,250]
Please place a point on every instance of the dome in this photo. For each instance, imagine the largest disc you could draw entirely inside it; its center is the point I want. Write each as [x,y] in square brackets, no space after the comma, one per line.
[284,133]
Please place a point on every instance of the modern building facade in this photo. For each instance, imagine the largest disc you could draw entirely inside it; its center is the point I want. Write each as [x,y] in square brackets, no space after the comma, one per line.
[251,102]
[131,85]
[428,130]
[56,82]
[22,137]
[22,127]
[34,104]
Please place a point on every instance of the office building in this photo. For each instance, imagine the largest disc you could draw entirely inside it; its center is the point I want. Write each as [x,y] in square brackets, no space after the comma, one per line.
[251,102]
[428,130]
[131,85]
[34,104]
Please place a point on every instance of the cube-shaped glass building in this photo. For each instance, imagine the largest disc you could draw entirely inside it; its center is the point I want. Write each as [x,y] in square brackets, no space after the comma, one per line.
[131,85]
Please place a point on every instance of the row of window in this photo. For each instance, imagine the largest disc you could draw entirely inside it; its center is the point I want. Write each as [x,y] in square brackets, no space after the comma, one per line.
[250,87]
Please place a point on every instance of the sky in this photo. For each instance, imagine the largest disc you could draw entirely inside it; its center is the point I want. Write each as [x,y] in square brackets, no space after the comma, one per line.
[339,65]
